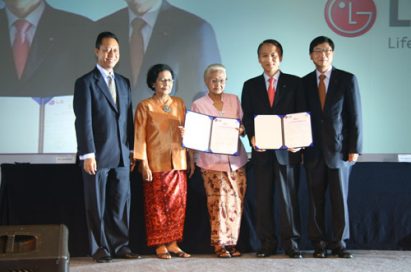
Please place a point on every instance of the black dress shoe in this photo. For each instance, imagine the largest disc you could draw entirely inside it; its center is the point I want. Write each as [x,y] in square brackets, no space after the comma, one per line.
[342,253]
[102,255]
[294,254]
[104,259]
[129,255]
[320,253]
[263,253]
[126,253]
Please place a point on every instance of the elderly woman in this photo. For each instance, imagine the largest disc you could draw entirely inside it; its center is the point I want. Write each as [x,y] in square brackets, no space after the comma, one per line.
[224,176]
[157,145]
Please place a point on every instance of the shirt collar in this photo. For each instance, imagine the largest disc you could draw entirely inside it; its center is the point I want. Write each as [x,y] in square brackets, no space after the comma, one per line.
[276,76]
[209,98]
[327,73]
[149,17]
[33,17]
[104,72]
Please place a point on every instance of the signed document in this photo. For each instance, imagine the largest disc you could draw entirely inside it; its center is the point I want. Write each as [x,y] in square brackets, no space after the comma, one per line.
[211,134]
[282,132]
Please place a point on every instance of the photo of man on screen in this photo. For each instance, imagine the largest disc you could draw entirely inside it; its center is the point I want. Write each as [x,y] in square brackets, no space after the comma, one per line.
[154,31]
[41,49]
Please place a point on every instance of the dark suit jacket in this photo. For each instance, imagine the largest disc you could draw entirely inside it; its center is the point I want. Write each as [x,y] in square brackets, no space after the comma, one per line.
[180,39]
[289,98]
[102,127]
[338,130]
[57,56]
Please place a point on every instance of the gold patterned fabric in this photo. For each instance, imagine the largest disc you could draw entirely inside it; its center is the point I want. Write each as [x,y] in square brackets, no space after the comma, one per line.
[225,194]
[157,137]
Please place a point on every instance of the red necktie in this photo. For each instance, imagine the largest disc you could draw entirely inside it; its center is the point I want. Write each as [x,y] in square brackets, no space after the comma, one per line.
[136,49]
[271,91]
[321,90]
[21,45]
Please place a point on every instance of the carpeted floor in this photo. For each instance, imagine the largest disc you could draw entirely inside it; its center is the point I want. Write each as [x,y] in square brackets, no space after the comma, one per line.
[363,261]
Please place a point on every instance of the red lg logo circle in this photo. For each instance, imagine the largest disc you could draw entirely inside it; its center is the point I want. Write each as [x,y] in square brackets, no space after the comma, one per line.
[350,18]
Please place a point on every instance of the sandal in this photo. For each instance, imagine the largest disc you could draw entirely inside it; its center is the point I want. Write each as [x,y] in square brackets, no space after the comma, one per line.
[221,252]
[165,255]
[180,254]
[233,251]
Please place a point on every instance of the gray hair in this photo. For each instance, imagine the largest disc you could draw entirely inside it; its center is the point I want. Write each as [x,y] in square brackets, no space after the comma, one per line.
[212,68]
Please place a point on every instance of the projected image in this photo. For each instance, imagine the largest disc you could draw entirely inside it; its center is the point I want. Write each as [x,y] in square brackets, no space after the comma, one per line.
[154,31]
[44,50]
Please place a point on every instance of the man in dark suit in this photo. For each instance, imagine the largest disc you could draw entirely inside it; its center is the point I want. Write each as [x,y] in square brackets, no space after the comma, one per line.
[50,54]
[274,168]
[104,128]
[333,98]
[170,35]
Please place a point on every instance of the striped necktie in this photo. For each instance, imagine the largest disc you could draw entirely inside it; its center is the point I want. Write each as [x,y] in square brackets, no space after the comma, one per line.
[112,87]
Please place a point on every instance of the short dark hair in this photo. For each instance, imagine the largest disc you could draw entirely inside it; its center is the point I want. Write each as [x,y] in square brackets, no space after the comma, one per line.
[103,35]
[319,40]
[273,42]
[154,71]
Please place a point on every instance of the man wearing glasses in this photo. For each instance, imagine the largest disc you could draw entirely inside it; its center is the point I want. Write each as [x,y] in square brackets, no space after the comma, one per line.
[333,98]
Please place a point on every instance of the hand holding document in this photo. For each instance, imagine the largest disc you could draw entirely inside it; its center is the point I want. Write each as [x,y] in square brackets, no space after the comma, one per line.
[283,132]
[211,134]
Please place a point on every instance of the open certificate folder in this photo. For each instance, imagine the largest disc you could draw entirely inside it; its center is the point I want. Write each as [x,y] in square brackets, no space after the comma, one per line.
[282,132]
[211,134]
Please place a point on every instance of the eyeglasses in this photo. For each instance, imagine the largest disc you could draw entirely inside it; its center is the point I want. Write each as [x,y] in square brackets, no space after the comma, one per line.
[322,50]
[216,81]
[165,80]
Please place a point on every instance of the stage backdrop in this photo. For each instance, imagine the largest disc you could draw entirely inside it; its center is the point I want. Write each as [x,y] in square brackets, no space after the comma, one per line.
[372,38]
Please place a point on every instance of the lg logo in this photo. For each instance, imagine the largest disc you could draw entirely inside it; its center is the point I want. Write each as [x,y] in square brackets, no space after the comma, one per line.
[350,18]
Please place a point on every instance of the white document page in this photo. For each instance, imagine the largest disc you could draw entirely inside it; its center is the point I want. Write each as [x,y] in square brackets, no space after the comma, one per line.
[59,130]
[224,136]
[197,130]
[268,132]
[297,130]
[20,126]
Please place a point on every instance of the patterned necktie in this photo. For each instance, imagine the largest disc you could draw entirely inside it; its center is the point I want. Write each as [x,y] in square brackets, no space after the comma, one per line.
[112,87]
[321,90]
[21,46]
[136,49]
[271,91]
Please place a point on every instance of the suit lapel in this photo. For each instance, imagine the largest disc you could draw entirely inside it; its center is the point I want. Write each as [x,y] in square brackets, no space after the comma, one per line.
[263,94]
[42,44]
[7,66]
[121,97]
[280,90]
[331,87]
